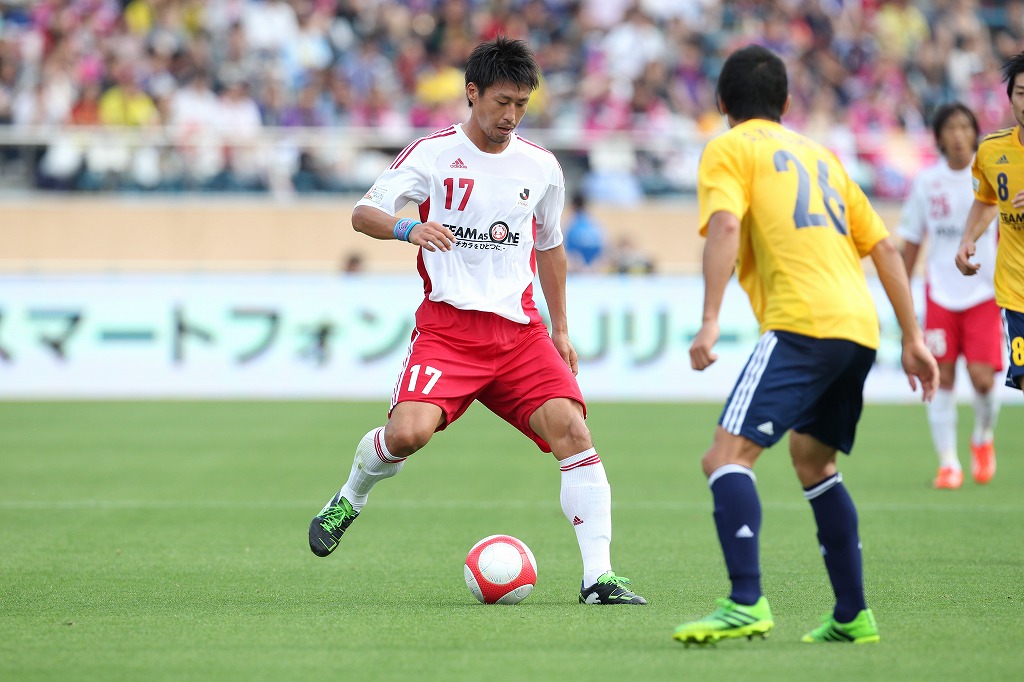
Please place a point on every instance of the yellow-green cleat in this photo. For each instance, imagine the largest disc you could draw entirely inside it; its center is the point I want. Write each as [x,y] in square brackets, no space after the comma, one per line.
[729,621]
[860,630]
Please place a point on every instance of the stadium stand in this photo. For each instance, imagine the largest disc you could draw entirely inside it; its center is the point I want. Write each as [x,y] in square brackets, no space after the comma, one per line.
[314,96]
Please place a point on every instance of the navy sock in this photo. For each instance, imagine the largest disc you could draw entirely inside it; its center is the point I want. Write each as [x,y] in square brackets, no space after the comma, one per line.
[738,520]
[840,544]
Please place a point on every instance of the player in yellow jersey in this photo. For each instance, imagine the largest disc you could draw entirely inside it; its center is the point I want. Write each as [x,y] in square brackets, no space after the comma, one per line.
[999,190]
[781,209]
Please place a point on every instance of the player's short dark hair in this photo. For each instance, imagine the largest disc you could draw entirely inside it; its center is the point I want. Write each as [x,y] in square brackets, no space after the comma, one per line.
[502,60]
[944,112]
[753,84]
[1012,67]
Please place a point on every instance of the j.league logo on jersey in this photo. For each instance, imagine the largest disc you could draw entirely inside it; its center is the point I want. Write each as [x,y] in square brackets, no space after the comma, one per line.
[524,197]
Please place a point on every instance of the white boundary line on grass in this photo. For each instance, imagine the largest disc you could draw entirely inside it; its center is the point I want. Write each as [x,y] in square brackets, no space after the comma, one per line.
[31,505]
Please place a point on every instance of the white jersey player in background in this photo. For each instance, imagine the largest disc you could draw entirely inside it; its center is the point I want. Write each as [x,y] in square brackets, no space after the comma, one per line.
[490,206]
[961,315]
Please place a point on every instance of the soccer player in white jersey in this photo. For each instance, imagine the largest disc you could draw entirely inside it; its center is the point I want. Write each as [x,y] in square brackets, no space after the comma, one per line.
[490,204]
[961,315]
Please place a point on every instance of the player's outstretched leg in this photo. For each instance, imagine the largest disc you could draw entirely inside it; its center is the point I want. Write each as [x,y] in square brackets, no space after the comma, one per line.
[942,418]
[986,412]
[861,630]
[729,621]
[372,464]
[836,517]
[738,521]
[586,500]
[986,404]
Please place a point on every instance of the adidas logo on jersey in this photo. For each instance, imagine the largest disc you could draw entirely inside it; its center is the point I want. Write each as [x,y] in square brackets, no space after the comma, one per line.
[1003,159]
[767,428]
[458,163]
[577,521]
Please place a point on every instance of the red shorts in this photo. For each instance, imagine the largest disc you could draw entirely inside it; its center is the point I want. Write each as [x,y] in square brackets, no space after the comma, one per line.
[458,356]
[975,333]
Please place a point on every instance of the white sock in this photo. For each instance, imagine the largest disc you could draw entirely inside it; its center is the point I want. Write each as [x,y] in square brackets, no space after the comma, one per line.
[986,411]
[372,464]
[942,419]
[587,502]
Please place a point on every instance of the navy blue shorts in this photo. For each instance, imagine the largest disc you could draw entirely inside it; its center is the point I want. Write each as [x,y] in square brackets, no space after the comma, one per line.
[792,381]
[1014,323]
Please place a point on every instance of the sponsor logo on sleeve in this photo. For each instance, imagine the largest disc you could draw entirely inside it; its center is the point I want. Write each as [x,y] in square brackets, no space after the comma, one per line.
[376,194]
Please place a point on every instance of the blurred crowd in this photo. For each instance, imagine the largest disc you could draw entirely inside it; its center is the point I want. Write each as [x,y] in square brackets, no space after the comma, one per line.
[211,88]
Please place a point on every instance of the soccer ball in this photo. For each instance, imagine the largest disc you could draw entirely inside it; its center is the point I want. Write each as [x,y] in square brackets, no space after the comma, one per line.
[500,569]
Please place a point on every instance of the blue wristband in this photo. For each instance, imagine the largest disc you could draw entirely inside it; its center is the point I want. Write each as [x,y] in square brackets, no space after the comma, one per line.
[403,228]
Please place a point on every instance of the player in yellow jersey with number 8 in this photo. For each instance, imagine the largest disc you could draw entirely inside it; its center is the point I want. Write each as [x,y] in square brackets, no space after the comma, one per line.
[999,190]
[782,211]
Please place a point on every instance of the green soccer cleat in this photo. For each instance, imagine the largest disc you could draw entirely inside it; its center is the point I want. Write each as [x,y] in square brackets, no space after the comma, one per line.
[860,630]
[729,621]
[327,527]
[610,589]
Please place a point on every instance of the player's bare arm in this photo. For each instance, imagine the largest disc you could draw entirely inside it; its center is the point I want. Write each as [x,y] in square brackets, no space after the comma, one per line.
[378,224]
[720,252]
[551,270]
[910,252]
[978,220]
[918,362]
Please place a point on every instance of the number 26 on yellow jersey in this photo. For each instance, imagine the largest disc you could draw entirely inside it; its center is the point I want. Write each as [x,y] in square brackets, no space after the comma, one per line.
[802,216]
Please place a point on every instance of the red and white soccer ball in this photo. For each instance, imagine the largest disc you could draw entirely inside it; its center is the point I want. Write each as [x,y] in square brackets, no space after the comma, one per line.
[501,569]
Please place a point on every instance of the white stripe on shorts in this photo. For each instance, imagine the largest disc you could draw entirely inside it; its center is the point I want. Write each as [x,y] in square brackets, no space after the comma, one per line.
[737,410]
[401,374]
[1006,334]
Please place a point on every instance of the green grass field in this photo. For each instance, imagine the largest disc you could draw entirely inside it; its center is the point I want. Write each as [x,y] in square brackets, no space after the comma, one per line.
[167,541]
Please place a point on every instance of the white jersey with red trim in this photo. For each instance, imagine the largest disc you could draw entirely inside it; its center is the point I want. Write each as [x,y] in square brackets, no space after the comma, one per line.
[500,206]
[936,210]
